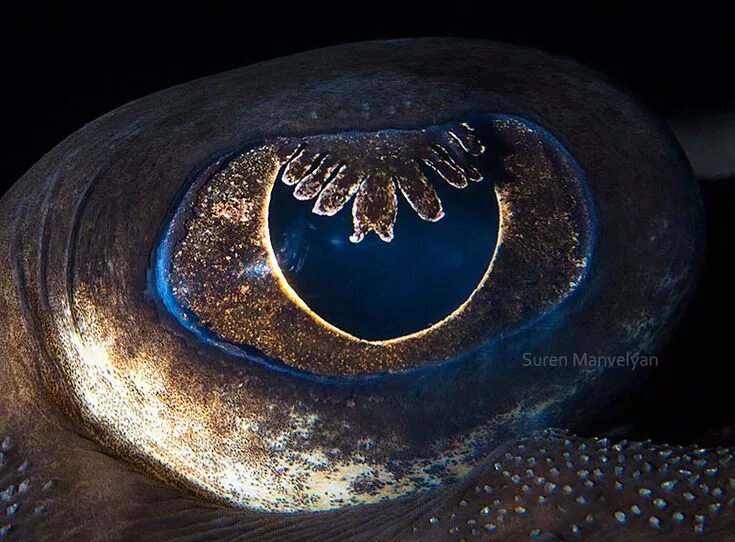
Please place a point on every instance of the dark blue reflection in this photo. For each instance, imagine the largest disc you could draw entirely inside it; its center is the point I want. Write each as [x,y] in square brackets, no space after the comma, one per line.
[378,290]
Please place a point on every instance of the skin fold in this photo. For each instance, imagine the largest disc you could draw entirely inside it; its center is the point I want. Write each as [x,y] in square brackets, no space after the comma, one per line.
[77,237]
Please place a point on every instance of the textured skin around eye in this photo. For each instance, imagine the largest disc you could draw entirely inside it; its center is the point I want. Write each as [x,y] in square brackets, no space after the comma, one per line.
[290,426]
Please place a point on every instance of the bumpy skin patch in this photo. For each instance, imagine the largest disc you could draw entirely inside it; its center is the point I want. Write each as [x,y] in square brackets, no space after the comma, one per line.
[555,486]
[24,495]
[122,408]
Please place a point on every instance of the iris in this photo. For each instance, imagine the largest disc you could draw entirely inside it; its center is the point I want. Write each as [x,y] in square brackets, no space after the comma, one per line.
[372,252]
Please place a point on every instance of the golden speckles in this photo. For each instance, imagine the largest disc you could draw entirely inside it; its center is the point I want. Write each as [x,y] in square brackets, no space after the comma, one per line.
[224,269]
[237,211]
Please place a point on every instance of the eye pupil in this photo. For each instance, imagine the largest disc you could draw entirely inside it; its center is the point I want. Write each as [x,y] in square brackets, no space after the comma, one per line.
[379,290]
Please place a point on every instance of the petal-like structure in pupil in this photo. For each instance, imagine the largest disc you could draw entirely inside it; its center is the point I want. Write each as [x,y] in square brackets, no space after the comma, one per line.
[472,173]
[338,191]
[454,158]
[458,155]
[312,183]
[466,138]
[420,195]
[445,169]
[375,208]
[297,168]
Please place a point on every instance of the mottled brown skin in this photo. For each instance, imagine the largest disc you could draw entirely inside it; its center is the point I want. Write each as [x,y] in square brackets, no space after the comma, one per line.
[69,486]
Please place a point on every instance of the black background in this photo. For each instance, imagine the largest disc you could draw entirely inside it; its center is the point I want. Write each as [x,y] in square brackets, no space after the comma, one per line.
[63,66]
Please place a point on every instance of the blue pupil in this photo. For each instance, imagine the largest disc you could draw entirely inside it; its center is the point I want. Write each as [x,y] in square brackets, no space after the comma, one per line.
[378,290]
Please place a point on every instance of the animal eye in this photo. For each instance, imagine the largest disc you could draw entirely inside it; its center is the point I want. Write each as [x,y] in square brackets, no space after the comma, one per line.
[322,282]
[459,234]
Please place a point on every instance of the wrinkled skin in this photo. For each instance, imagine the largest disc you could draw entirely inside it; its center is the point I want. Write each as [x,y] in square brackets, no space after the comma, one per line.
[69,482]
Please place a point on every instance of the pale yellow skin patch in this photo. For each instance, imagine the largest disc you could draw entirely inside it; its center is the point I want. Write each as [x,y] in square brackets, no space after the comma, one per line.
[217,449]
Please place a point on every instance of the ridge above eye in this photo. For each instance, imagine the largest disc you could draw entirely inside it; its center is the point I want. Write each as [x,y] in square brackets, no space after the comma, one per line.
[461,233]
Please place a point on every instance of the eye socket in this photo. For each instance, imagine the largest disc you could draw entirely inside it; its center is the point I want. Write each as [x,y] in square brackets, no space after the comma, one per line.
[261,398]
[246,267]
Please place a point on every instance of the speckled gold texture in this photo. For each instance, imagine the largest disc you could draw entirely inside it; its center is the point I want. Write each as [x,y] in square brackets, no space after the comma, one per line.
[225,272]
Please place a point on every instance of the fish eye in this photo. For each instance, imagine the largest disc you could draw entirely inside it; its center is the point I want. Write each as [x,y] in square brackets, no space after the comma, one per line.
[319,282]
[492,231]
